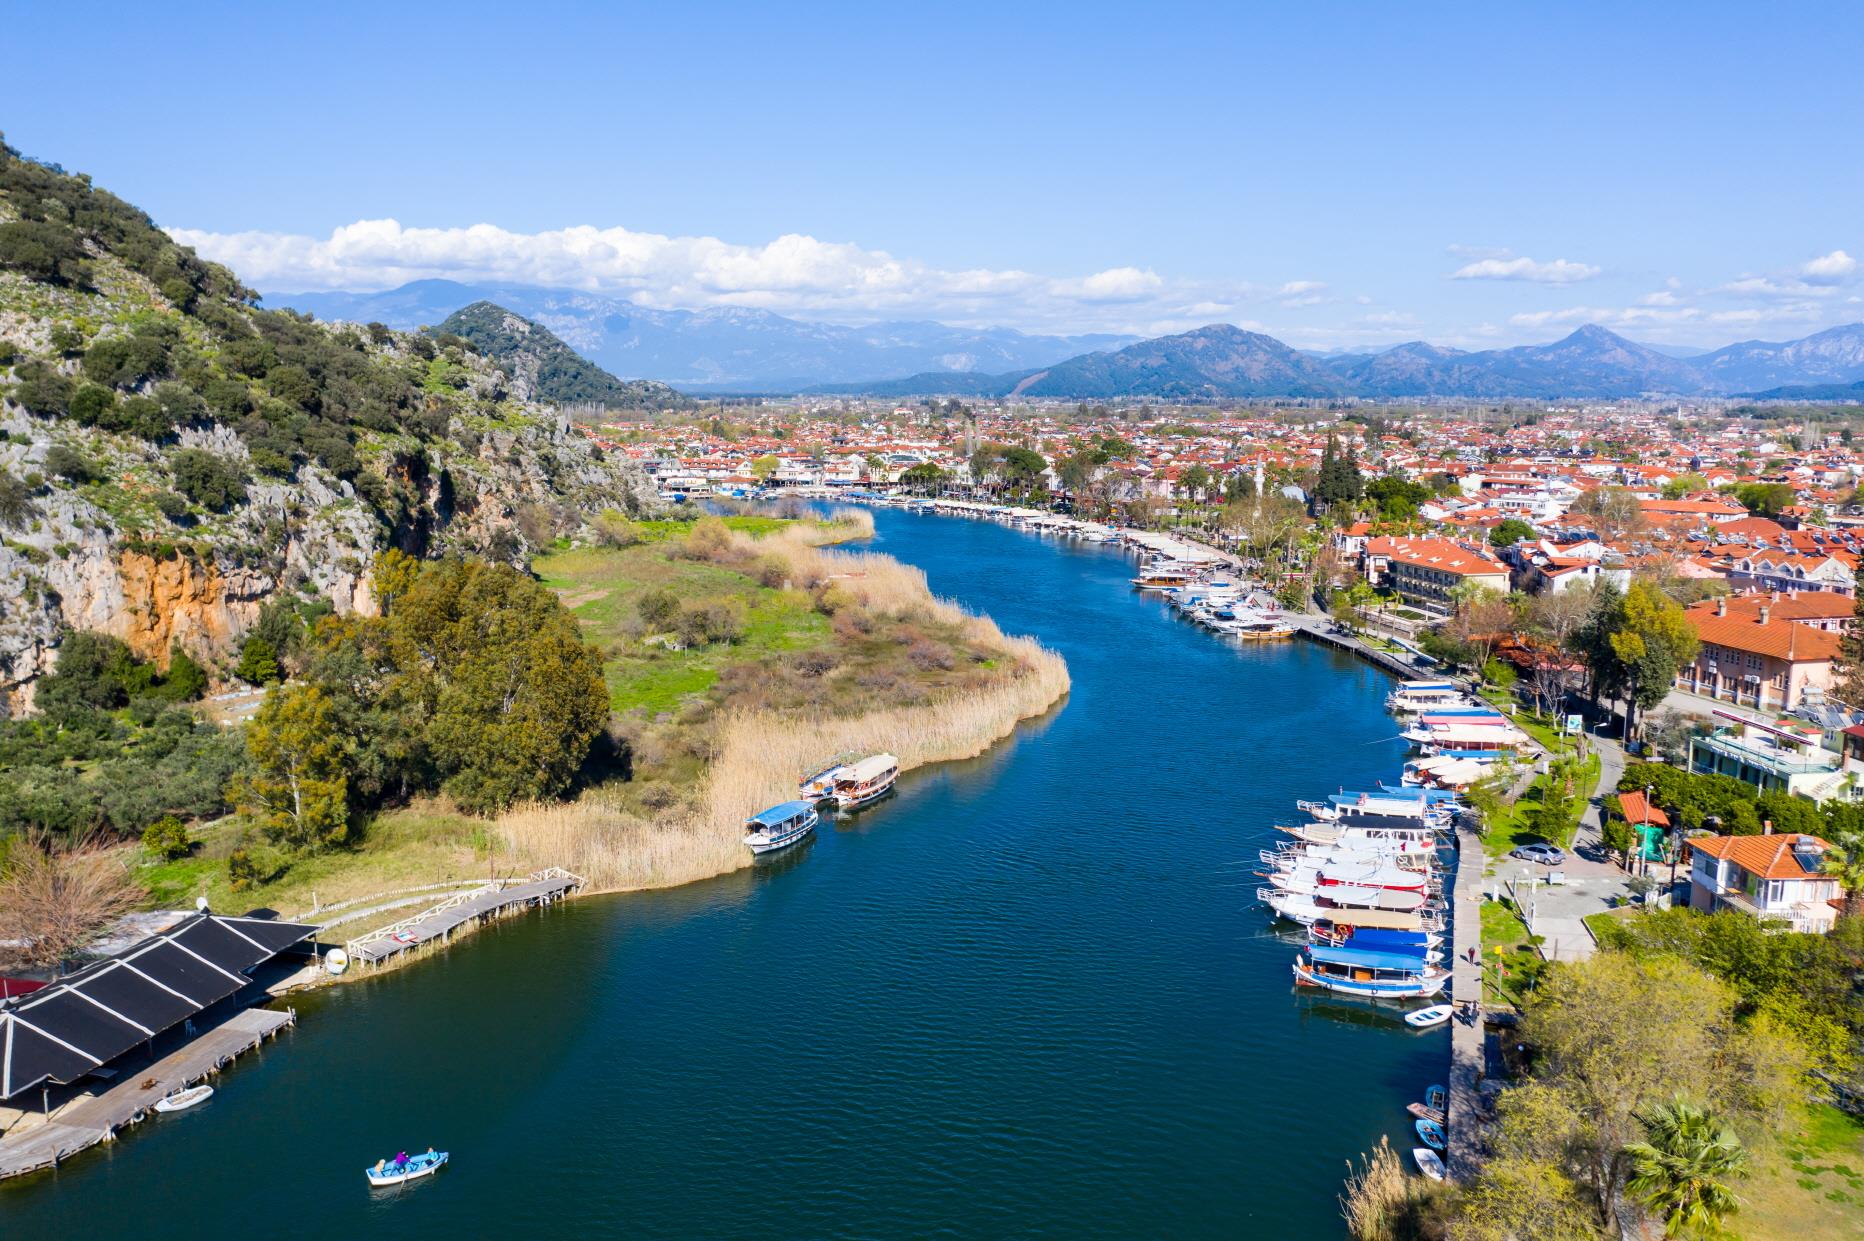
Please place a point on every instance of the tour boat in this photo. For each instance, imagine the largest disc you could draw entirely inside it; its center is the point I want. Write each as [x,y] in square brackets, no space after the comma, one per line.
[1376,975]
[181,1100]
[867,780]
[1419,840]
[1428,1162]
[1352,903]
[780,826]
[1422,692]
[1378,926]
[1431,1133]
[1425,1018]
[822,784]
[405,1167]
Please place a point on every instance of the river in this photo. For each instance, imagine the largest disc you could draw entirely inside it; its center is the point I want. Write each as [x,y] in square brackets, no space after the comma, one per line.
[1028,996]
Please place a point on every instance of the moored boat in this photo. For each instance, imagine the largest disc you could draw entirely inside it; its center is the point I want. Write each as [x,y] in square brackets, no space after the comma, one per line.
[821,785]
[1430,1133]
[1375,975]
[865,780]
[181,1100]
[1421,1112]
[1428,1162]
[780,826]
[1425,1018]
[405,1167]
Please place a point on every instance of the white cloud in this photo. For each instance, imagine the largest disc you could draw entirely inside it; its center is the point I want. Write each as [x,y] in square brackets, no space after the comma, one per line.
[794,274]
[1662,297]
[1557,271]
[1480,252]
[1830,267]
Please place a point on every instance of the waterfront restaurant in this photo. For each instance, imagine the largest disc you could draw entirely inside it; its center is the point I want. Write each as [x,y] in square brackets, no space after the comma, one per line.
[73,1028]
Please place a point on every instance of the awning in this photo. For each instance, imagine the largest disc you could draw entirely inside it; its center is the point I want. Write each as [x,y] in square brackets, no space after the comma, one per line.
[81,1022]
[1367,959]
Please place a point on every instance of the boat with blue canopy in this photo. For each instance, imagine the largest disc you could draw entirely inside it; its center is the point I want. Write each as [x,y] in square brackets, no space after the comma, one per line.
[1368,972]
[780,826]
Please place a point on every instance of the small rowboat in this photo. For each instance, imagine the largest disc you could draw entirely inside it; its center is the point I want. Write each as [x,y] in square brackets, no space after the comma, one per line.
[1436,1097]
[1431,1134]
[1424,1113]
[405,1168]
[182,1100]
[1425,1018]
[1428,1162]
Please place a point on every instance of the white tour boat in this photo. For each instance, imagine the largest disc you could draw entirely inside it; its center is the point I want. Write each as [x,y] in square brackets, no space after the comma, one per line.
[780,826]
[866,780]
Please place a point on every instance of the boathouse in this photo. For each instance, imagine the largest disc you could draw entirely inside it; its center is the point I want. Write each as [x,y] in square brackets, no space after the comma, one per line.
[75,1026]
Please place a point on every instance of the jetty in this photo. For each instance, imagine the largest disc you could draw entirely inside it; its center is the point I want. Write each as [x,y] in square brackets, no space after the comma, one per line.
[98,1118]
[460,912]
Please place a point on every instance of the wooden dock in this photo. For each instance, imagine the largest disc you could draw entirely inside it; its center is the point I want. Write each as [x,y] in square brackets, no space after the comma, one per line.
[1320,629]
[86,1122]
[456,913]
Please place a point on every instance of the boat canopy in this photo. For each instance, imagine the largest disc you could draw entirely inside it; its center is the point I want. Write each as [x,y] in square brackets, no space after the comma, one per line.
[1366,959]
[778,815]
[1378,939]
[1364,919]
[1418,687]
[870,768]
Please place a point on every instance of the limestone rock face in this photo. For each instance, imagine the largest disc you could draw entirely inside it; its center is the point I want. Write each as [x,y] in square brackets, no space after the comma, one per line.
[78,563]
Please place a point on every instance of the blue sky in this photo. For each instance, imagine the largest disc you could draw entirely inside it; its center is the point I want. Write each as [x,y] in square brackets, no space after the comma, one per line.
[1685,174]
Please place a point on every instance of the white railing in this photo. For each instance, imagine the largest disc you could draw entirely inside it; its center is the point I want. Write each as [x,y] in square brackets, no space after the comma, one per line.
[395,928]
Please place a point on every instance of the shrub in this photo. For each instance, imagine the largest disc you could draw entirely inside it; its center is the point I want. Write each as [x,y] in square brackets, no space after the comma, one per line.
[709,539]
[614,530]
[212,482]
[929,655]
[42,391]
[718,620]
[72,466]
[172,506]
[92,405]
[658,607]
[772,571]
[258,662]
[242,870]
[43,251]
[167,838]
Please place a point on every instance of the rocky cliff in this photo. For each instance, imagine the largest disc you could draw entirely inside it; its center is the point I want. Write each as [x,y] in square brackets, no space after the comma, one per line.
[174,458]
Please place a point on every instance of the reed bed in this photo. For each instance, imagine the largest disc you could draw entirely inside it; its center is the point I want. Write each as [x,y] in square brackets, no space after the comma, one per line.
[758,756]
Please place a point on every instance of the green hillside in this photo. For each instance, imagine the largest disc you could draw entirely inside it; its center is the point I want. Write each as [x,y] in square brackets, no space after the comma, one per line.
[543,367]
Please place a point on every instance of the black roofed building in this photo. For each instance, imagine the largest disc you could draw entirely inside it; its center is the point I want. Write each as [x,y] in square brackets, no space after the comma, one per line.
[80,1023]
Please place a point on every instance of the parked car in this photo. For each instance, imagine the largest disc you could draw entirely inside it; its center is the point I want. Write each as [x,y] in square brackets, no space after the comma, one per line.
[1546,855]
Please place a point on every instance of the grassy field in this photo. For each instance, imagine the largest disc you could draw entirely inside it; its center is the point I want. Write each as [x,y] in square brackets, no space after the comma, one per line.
[1811,1188]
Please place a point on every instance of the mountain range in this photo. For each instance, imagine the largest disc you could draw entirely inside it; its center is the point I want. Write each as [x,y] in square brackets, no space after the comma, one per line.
[1223,362]
[755,351]
[719,350]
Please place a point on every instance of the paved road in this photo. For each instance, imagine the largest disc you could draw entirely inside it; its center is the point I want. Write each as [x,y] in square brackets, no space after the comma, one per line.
[1592,884]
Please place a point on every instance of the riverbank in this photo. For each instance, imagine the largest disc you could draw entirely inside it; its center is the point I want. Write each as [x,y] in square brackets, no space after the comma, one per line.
[798,651]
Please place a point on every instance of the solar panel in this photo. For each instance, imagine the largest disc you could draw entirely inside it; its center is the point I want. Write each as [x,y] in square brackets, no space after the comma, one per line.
[65,1030]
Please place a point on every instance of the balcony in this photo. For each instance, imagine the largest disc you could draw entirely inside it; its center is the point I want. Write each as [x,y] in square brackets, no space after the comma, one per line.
[1813,917]
[1766,753]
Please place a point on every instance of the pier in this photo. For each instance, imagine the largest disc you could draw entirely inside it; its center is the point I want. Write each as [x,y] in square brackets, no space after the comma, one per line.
[86,1122]
[482,904]
[1462,1114]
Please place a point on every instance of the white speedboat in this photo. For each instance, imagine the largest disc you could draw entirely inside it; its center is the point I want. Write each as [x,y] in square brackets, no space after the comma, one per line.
[182,1100]
[405,1167]
[780,826]
[865,780]
[1429,1162]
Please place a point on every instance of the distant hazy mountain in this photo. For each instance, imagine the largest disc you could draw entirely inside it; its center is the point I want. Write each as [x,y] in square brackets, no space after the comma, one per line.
[543,368]
[1226,362]
[1814,392]
[1832,356]
[745,350]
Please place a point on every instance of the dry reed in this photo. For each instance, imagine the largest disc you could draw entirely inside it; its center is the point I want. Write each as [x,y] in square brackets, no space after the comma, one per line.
[759,755]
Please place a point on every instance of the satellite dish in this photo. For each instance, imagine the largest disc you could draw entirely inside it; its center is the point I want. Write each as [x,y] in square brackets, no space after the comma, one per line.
[336,961]
[200,904]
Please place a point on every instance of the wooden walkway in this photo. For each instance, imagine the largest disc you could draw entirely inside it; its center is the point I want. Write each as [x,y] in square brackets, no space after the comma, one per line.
[481,904]
[1320,629]
[1462,1119]
[88,1121]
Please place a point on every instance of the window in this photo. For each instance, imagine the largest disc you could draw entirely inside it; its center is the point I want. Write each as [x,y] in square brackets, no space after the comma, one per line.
[1753,661]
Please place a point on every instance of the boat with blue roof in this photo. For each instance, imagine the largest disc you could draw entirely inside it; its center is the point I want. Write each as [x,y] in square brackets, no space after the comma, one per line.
[780,826]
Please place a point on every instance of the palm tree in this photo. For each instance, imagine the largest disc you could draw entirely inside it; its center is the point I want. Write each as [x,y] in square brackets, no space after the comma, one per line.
[1844,861]
[1681,1172]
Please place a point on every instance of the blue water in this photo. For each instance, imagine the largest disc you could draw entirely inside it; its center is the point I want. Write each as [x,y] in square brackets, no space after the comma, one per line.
[1028,996]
